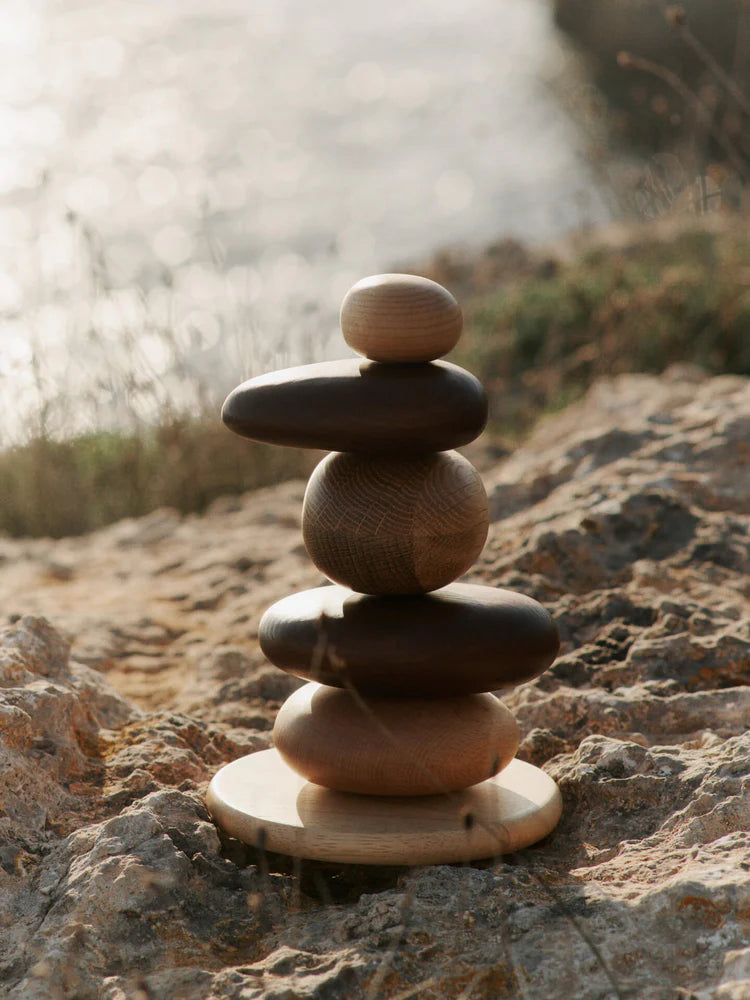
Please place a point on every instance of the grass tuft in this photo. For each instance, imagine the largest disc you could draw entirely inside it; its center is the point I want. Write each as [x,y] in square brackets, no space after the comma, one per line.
[537,339]
[540,341]
[58,488]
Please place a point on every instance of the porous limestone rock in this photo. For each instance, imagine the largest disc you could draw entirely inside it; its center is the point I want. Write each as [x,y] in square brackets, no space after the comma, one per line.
[626,516]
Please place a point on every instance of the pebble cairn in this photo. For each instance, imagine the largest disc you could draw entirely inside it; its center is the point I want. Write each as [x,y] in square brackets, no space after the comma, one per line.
[394,751]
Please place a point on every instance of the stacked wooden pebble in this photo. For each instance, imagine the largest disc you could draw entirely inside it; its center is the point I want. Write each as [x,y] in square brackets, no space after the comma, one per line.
[394,752]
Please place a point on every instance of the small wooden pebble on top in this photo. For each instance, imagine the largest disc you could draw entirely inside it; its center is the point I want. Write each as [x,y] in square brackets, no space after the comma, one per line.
[400,318]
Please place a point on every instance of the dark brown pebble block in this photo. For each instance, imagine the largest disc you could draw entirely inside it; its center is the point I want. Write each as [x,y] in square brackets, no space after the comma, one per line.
[355,405]
[461,639]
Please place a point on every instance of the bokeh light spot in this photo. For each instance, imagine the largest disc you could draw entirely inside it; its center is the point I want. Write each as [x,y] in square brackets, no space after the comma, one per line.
[366,81]
[87,194]
[156,186]
[454,190]
[10,295]
[173,245]
[104,57]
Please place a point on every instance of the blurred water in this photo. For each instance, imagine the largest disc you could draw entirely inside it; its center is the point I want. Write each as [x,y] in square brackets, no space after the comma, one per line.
[188,187]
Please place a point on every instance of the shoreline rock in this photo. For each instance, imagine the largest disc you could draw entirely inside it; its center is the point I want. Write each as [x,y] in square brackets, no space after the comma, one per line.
[627,516]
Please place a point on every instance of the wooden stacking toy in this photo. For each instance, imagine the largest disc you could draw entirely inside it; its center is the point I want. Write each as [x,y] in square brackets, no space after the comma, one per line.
[395,751]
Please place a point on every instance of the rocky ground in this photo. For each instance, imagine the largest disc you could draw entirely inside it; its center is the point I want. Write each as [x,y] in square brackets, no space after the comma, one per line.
[130,670]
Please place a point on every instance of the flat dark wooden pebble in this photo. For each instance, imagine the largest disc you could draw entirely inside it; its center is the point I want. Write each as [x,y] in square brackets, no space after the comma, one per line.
[364,406]
[461,639]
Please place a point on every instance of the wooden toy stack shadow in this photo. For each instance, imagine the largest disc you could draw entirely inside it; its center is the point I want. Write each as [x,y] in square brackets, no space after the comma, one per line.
[394,753]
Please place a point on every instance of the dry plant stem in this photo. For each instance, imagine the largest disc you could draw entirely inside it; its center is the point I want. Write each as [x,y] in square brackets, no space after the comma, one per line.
[703,112]
[467,991]
[579,929]
[380,973]
[407,994]
[721,76]
[742,45]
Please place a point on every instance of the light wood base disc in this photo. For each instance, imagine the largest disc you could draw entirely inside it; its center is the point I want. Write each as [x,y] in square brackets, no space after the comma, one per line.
[260,800]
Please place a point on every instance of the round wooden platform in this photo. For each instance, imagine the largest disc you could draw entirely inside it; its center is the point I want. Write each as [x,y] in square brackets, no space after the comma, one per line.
[260,800]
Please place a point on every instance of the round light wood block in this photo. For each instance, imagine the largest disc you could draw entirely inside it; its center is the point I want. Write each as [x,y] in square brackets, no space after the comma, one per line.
[394,525]
[356,405]
[400,317]
[394,746]
[457,640]
[261,801]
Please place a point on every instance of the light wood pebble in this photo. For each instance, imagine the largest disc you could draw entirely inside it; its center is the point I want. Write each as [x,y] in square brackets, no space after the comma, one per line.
[400,318]
[394,746]
[394,525]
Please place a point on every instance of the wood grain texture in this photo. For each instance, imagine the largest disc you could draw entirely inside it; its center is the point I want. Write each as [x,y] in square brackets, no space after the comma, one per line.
[400,317]
[356,405]
[394,525]
[394,746]
[261,801]
[460,639]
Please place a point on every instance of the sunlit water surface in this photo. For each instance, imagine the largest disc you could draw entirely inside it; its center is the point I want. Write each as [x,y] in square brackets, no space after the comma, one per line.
[187,189]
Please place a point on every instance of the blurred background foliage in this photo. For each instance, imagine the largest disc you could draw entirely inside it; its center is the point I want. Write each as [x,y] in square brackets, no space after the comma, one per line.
[674,82]
[538,342]
[537,338]
[56,488]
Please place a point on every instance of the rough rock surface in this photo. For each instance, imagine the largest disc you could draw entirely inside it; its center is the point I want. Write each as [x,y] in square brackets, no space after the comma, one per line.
[627,516]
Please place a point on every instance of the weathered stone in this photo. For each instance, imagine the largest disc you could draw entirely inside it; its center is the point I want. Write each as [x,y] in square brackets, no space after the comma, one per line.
[146,890]
[355,405]
[456,640]
[641,891]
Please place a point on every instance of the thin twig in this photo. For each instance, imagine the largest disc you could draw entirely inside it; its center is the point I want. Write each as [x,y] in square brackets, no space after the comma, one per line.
[675,17]
[579,928]
[627,60]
